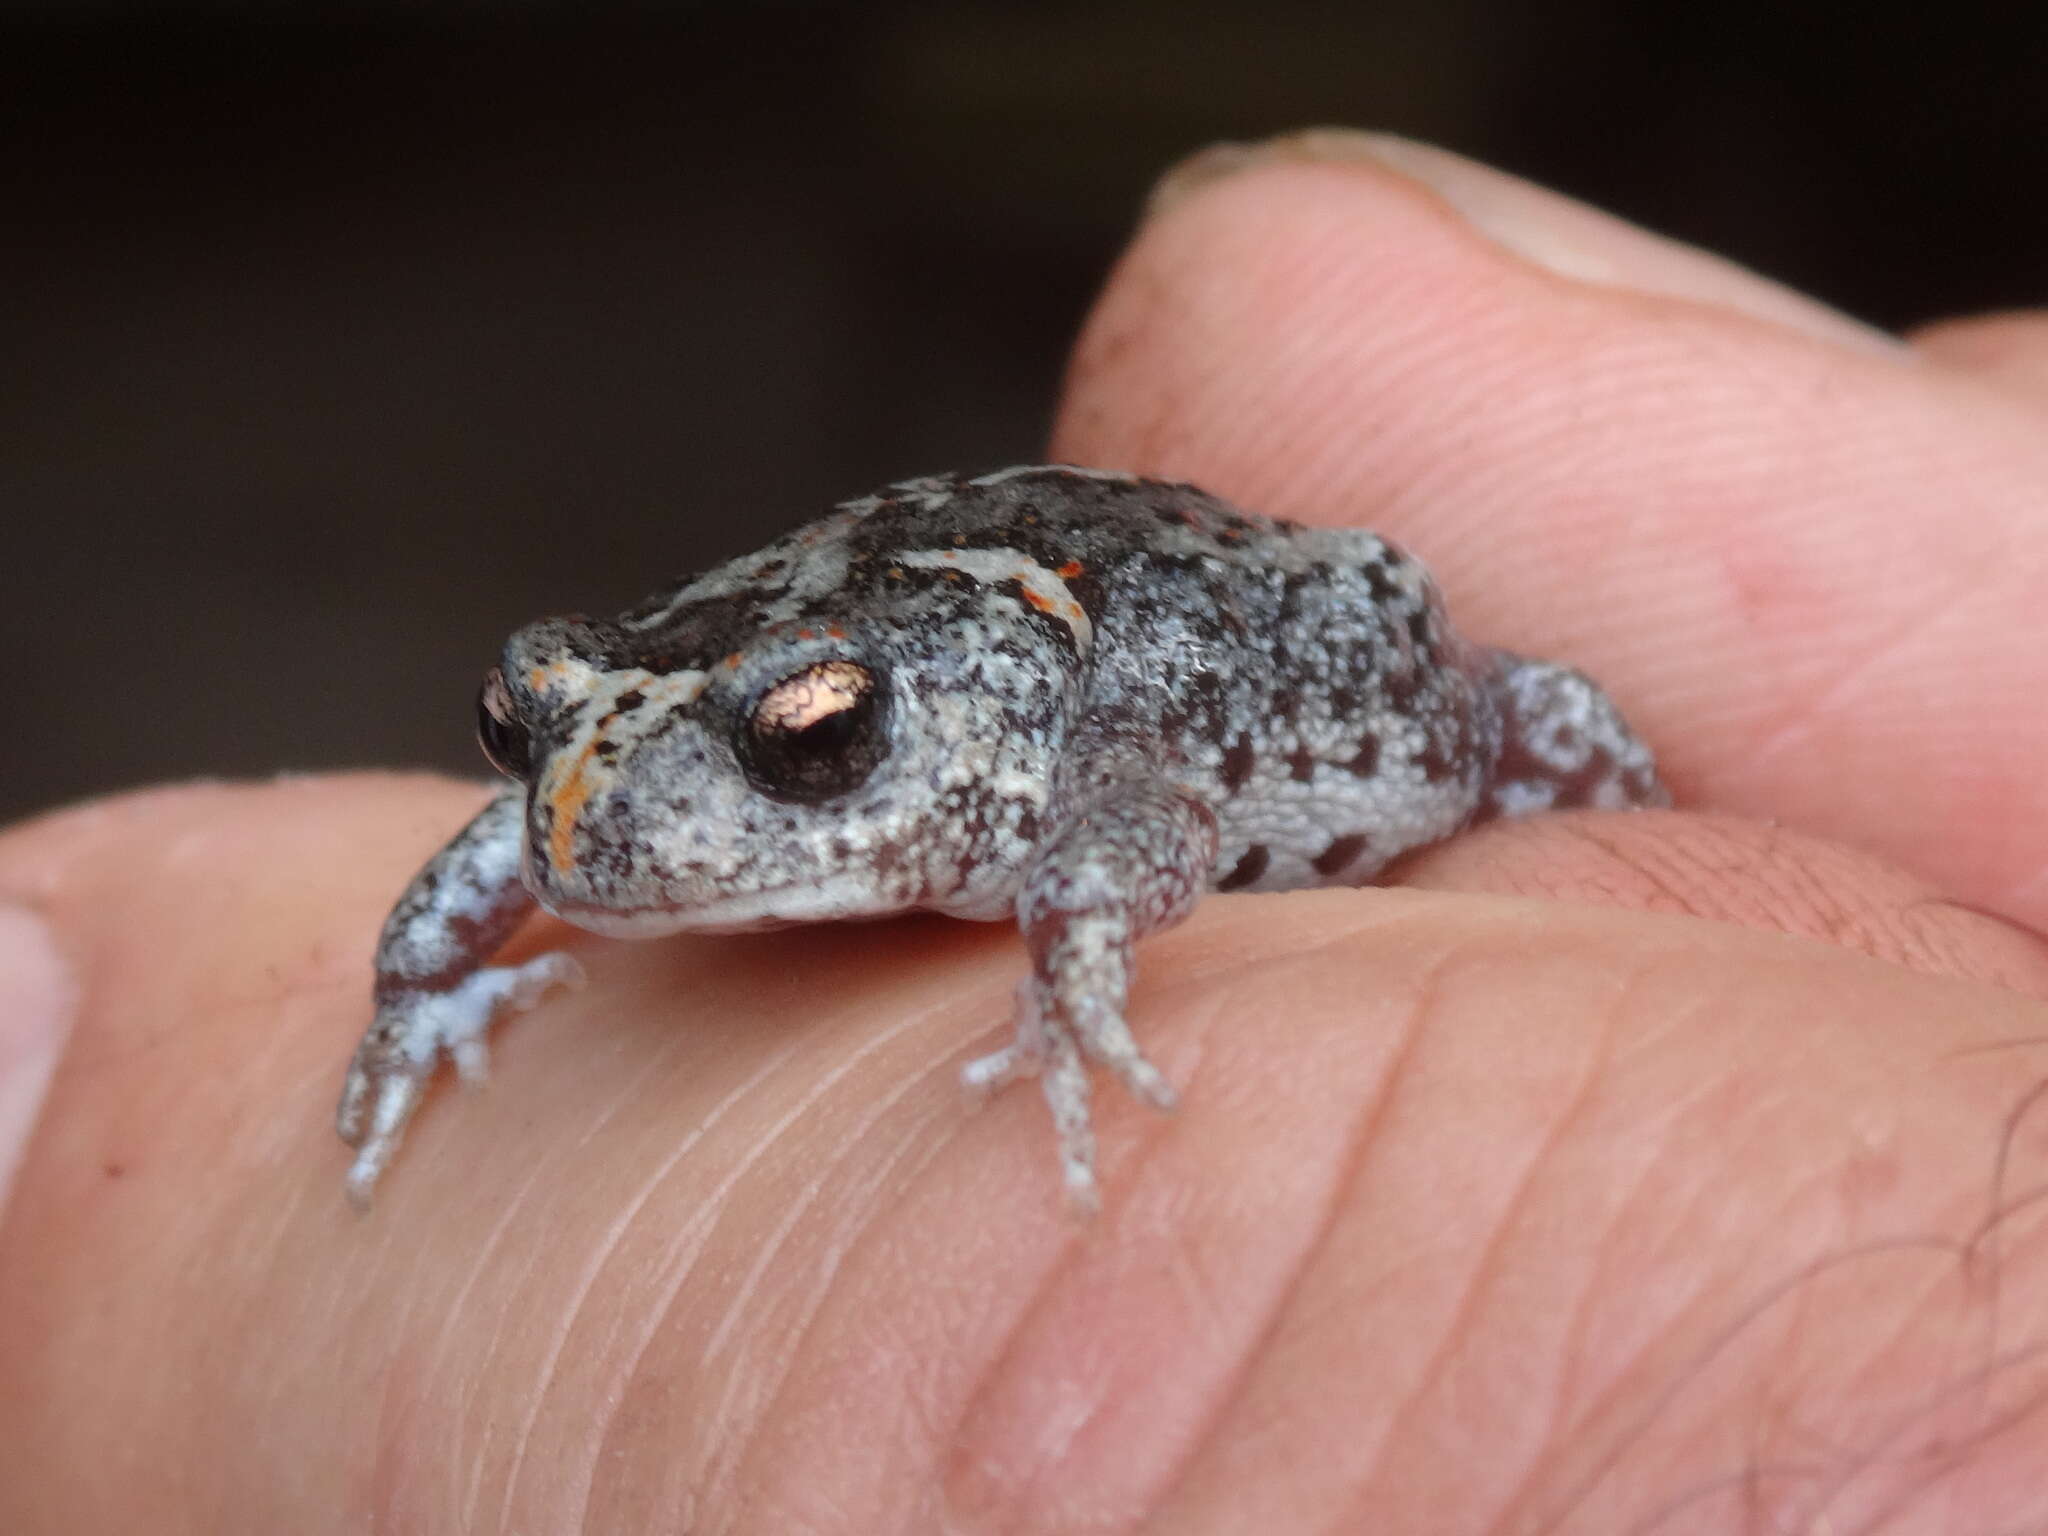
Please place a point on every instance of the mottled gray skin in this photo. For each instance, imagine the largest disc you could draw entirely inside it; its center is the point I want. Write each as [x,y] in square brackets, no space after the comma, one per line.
[1074,697]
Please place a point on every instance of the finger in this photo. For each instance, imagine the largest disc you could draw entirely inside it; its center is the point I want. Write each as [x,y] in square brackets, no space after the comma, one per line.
[2008,351]
[1732,871]
[1804,566]
[1553,232]
[719,1238]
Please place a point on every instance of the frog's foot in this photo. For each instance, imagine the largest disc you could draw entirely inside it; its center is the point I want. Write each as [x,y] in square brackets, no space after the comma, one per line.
[1054,1043]
[403,1046]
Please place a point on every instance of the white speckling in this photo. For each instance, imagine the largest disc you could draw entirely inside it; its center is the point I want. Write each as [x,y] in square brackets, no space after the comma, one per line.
[1221,701]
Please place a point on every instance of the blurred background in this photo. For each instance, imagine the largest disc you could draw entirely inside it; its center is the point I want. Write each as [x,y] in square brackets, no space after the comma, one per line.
[337,340]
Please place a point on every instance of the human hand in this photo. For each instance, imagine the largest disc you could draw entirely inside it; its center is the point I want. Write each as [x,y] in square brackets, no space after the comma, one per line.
[1559,1190]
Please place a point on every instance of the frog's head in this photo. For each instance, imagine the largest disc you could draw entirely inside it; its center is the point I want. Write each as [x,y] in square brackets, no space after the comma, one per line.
[718,774]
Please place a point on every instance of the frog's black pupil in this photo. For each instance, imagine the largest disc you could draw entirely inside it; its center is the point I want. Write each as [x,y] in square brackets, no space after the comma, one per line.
[499,730]
[830,734]
[815,734]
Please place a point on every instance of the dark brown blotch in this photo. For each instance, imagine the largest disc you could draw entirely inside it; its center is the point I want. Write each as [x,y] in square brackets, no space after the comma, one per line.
[1402,686]
[1419,630]
[1247,869]
[1342,853]
[1439,763]
[1238,761]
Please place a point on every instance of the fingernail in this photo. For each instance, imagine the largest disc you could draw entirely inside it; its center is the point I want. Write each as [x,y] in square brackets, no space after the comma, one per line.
[37,1001]
[1542,227]
[1491,201]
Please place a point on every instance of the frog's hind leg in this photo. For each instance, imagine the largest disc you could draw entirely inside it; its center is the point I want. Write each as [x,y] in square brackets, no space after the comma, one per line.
[1563,745]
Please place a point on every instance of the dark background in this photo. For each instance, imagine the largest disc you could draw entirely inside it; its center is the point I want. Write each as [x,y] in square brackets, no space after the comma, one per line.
[335,341]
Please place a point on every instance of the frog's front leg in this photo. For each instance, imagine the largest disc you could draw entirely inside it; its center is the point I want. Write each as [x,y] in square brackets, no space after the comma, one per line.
[1133,855]
[434,992]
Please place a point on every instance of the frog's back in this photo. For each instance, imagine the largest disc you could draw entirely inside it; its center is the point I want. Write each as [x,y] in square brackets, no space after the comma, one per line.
[1303,681]
[1084,526]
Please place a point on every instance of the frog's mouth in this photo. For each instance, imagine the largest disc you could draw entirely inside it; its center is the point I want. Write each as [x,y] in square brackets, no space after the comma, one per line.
[819,901]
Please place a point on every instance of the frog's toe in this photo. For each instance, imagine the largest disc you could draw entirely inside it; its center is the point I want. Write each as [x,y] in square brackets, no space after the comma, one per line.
[349,1114]
[413,1030]
[1147,1084]
[392,1101]
[1065,1083]
[988,1075]
[1022,1057]
[1107,1038]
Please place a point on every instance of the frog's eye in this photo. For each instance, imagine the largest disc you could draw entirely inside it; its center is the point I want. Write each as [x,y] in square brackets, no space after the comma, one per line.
[815,734]
[499,729]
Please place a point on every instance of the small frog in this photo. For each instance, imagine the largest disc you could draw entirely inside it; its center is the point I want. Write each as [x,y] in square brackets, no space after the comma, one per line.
[1069,697]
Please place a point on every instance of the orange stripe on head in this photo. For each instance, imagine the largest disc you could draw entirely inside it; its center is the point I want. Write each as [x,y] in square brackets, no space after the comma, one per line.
[566,801]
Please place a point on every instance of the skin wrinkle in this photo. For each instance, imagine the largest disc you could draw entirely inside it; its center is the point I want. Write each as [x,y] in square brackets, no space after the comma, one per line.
[661,1314]
[1745,877]
[471,1382]
[1928,937]
[1951,1455]
[572,1308]
[1799,904]
[506,1316]
[396,1409]
[1586,1311]
[1766,1299]
[1490,1260]
[1617,1388]
[1589,830]
[1676,1323]
[1766,1391]
[1002,1361]
[1748,1482]
[922,1144]
[1908,1317]
[1958,1449]
[767,1394]
[690,1239]
[814,1094]
[1357,1149]
[1407,894]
